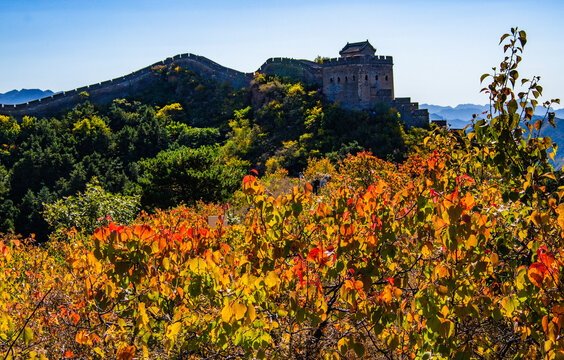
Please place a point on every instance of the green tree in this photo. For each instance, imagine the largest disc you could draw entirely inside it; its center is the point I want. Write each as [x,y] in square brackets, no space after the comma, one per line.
[90,209]
[187,175]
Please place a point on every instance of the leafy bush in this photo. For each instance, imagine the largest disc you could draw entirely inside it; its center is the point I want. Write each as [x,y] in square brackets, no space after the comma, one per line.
[91,209]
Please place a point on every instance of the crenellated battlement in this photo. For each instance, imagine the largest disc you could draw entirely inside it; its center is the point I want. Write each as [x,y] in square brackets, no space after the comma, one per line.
[376,60]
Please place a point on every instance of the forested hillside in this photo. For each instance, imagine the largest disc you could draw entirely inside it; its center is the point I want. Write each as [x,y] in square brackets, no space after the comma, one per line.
[453,249]
[181,140]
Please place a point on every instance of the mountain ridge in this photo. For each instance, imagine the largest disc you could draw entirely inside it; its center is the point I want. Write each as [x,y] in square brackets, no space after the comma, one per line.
[13,97]
[461,115]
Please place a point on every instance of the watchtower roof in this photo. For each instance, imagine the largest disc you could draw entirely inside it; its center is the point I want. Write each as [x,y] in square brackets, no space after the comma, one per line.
[358,48]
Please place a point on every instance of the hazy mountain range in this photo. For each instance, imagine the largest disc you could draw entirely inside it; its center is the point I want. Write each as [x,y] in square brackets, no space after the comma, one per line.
[459,116]
[23,96]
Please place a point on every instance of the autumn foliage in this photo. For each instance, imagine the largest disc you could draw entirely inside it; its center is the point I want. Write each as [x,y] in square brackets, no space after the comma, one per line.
[447,255]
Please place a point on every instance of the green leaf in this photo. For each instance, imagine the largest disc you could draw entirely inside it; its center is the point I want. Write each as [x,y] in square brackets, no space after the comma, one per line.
[343,345]
[446,329]
[358,349]
[509,304]
[27,335]
[521,278]
[512,106]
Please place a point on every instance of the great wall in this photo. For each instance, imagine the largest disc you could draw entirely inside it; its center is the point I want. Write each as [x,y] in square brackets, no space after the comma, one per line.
[127,85]
[357,80]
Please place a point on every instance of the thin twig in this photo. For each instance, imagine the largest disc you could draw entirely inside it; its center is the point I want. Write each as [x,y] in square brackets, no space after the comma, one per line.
[26,322]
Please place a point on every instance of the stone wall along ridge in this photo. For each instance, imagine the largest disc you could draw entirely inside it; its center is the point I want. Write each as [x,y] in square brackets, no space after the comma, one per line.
[122,86]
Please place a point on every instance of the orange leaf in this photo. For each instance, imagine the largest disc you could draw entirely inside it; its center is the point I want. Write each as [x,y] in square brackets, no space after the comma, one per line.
[536,274]
[69,354]
[75,318]
[125,352]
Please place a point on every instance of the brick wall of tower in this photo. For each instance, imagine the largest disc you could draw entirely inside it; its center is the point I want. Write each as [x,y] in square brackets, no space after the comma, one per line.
[359,83]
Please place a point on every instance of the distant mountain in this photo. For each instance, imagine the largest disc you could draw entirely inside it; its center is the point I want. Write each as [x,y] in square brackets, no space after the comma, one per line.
[23,96]
[459,116]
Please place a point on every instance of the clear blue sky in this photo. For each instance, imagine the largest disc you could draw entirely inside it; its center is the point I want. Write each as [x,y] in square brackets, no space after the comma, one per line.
[440,48]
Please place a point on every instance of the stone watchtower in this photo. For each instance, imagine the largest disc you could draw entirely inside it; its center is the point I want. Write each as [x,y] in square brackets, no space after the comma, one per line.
[359,79]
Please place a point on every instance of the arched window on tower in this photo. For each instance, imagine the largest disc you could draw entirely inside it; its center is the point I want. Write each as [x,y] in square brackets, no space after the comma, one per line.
[386,77]
[376,78]
[354,79]
[346,79]
[366,77]
[339,80]
[331,80]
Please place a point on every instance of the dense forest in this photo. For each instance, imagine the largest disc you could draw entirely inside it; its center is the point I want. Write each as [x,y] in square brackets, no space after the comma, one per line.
[181,140]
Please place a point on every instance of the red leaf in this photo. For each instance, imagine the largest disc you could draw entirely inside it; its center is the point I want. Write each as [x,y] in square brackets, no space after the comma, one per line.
[248,179]
[313,254]
[300,276]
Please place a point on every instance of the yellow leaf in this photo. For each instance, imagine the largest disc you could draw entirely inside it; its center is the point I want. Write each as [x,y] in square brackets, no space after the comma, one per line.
[445,311]
[251,314]
[560,212]
[198,266]
[27,335]
[548,345]
[173,330]
[508,305]
[142,319]
[427,249]
[471,242]
[240,310]
[271,280]
[227,313]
